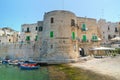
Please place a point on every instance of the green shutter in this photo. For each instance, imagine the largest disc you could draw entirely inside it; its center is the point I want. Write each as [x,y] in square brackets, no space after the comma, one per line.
[84,38]
[36,37]
[84,27]
[94,38]
[73,35]
[51,34]
[27,38]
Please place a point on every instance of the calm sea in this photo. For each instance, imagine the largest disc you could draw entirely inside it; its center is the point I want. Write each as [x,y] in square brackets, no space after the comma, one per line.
[10,72]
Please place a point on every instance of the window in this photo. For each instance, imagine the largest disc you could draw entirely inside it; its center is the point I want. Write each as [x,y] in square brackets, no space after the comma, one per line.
[22,29]
[84,27]
[72,22]
[51,34]
[109,37]
[28,30]
[36,28]
[40,28]
[52,20]
[84,38]
[27,38]
[108,28]
[9,40]
[116,30]
[51,46]
[36,38]
[73,35]
[114,36]
[94,38]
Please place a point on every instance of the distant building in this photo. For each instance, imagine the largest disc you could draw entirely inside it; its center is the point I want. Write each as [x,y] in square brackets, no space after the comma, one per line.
[29,32]
[108,30]
[8,35]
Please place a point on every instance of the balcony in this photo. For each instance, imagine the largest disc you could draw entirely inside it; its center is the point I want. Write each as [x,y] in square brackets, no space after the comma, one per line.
[27,31]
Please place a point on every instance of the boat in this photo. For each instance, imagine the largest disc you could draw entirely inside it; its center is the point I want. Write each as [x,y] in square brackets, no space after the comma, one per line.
[29,66]
[5,62]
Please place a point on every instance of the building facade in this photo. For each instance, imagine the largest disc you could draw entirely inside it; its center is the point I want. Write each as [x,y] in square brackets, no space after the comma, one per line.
[62,33]
[108,30]
[8,35]
[29,32]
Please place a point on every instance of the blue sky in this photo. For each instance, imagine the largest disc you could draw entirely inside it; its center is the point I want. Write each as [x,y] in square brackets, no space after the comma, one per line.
[14,13]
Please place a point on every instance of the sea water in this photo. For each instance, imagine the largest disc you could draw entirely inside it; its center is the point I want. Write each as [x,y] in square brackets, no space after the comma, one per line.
[10,72]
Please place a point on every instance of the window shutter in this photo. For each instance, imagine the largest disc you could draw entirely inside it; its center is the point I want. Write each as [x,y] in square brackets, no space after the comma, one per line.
[84,38]
[27,38]
[73,35]
[51,34]
[84,27]
[36,38]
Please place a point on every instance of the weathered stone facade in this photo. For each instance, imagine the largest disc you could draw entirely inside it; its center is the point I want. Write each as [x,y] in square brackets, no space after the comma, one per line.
[59,46]
[61,36]
[92,29]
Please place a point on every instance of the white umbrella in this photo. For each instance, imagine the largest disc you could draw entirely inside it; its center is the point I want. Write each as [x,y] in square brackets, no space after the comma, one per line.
[116,39]
[99,39]
[102,48]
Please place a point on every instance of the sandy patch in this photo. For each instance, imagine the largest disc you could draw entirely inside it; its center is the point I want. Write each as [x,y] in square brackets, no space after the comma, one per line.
[107,66]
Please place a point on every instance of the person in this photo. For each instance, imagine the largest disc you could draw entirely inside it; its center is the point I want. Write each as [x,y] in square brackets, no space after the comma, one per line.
[80,51]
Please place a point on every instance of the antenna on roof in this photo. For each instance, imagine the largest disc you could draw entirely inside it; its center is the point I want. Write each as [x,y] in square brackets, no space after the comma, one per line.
[62,4]
[102,13]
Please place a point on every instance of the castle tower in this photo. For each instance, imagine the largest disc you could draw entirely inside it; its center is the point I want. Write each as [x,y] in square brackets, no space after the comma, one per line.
[58,38]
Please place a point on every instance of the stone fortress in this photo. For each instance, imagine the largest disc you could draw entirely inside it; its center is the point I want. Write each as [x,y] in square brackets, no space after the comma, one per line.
[62,33]
[59,36]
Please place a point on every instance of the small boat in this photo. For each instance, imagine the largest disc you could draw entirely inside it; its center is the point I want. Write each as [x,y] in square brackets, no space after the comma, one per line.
[5,62]
[29,66]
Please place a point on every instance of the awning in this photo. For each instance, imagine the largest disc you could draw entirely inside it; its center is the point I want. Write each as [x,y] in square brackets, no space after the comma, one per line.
[102,48]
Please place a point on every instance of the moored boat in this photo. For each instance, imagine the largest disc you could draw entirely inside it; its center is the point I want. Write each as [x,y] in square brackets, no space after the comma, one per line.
[29,66]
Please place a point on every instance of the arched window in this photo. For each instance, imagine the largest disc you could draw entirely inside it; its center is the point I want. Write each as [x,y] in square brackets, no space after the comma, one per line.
[72,22]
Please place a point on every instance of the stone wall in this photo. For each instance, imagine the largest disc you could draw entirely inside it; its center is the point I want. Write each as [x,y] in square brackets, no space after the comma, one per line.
[19,51]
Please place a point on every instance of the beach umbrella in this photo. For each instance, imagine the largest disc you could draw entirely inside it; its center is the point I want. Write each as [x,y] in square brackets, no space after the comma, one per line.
[99,39]
[102,48]
[115,39]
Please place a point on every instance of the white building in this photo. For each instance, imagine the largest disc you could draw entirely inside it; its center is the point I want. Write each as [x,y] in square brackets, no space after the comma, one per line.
[29,32]
[108,30]
[8,35]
